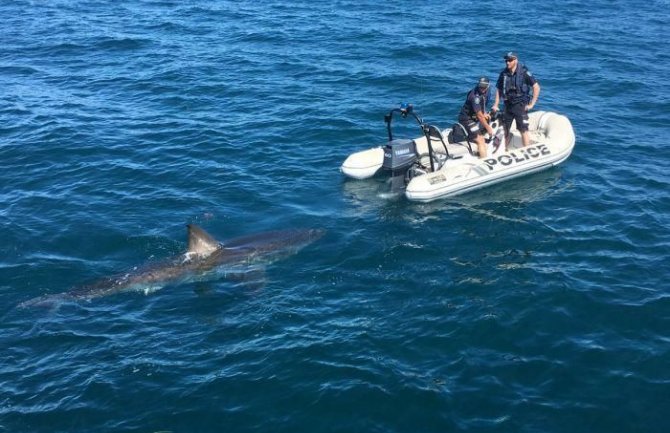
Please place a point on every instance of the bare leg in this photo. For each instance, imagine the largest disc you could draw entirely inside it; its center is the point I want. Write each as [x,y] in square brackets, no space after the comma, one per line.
[525,137]
[481,146]
[508,137]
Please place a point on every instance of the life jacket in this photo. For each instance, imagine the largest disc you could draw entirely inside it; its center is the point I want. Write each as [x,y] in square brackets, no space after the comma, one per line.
[515,88]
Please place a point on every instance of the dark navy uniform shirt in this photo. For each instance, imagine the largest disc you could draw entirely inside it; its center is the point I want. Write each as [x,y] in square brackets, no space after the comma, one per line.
[474,102]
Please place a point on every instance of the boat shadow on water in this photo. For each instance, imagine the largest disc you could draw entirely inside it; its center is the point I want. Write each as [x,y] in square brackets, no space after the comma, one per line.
[372,195]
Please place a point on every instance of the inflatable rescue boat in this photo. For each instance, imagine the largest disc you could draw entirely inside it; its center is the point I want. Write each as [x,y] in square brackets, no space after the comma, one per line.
[443,163]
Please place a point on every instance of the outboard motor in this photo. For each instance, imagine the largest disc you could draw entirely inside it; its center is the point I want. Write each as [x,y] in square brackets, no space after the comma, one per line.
[399,156]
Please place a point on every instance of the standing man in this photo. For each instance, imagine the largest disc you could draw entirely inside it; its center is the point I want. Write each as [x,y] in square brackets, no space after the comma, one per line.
[514,85]
[473,115]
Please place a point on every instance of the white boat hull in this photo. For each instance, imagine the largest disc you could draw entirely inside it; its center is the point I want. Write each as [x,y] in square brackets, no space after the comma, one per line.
[363,164]
[552,141]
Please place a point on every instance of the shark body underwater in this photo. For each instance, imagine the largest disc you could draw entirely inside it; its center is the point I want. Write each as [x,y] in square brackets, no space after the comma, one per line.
[205,260]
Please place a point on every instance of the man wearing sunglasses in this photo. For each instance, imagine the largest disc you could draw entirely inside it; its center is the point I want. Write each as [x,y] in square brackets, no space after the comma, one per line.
[473,115]
[514,87]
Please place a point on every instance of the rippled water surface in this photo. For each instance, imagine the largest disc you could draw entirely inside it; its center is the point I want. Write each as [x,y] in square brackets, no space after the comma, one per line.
[538,305]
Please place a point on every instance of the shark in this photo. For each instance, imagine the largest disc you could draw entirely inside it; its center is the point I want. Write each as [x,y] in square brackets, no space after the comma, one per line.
[205,259]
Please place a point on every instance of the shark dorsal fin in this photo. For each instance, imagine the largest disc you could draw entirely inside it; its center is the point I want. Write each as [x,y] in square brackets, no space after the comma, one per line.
[200,242]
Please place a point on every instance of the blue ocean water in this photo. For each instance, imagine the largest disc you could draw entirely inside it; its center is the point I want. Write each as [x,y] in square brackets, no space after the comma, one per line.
[538,305]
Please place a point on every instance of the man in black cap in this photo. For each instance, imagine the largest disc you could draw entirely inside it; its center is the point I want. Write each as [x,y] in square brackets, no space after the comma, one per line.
[514,87]
[473,115]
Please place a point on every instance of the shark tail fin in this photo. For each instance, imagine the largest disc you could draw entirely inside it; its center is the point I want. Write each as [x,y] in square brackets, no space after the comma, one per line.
[200,242]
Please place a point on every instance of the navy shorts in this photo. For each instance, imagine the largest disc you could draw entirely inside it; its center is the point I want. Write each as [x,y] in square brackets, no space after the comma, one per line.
[474,128]
[516,112]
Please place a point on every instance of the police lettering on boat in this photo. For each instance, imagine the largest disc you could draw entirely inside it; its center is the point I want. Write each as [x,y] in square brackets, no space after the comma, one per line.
[519,155]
